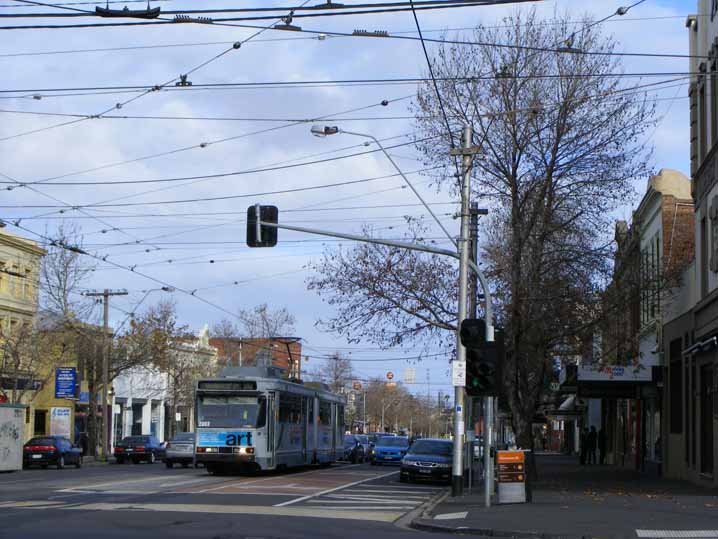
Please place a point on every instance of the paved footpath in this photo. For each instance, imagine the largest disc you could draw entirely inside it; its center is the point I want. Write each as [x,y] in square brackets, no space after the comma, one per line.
[591,501]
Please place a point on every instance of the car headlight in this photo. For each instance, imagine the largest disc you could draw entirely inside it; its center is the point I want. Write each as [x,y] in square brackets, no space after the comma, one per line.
[410,462]
[443,465]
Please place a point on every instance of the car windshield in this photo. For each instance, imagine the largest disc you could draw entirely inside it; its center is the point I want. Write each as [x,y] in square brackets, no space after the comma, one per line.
[393,441]
[427,447]
[363,439]
[231,411]
[41,441]
[184,437]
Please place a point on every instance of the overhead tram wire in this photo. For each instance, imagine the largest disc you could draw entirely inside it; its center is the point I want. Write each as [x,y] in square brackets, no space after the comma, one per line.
[144,275]
[134,98]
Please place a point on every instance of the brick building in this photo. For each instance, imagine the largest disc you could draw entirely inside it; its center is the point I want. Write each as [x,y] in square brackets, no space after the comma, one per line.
[284,352]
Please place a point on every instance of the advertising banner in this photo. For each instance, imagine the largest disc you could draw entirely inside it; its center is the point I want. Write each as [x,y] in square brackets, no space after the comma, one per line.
[65,382]
[60,422]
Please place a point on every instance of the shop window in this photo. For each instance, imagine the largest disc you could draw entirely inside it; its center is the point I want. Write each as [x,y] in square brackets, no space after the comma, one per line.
[676,387]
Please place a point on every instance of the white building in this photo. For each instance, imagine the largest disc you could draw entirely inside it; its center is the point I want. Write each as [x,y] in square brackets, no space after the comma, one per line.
[151,400]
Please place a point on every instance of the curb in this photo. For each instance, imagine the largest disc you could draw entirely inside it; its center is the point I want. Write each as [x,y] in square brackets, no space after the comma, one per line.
[407,521]
[429,526]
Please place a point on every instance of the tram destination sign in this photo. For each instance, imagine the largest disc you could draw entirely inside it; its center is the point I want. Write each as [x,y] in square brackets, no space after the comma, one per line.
[227,386]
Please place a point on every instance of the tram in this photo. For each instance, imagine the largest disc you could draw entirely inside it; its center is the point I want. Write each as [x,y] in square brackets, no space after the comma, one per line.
[249,418]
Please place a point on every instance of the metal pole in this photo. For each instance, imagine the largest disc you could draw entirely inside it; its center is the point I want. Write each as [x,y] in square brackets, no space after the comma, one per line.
[457,478]
[364,406]
[488,435]
[105,373]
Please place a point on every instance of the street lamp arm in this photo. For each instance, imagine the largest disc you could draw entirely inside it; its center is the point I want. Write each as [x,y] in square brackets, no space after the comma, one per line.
[426,205]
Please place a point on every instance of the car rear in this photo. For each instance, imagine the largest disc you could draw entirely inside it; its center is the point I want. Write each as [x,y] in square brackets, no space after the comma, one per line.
[180,450]
[134,448]
[41,452]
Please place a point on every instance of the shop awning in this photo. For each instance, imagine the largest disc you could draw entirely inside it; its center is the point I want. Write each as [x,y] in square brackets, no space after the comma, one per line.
[608,382]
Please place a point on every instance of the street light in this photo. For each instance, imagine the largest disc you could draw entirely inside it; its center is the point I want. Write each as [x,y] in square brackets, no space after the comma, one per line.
[326,130]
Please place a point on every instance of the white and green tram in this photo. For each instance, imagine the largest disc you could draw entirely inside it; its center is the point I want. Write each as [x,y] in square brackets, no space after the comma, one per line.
[251,419]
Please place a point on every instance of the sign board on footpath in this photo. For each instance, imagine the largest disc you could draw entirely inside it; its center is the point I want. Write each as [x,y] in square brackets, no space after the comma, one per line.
[511,476]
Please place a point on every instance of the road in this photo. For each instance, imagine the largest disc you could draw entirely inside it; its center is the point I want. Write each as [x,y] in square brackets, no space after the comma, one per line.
[148,500]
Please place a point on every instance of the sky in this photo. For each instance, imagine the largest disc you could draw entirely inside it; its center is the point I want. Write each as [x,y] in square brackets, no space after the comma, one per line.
[160,230]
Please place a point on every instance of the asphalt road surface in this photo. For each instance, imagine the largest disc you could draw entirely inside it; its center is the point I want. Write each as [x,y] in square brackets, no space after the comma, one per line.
[150,501]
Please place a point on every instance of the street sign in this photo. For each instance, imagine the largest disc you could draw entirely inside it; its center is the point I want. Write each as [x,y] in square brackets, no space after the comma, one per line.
[511,476]
[410,376]
[458,373]
[390,375]
[356,386]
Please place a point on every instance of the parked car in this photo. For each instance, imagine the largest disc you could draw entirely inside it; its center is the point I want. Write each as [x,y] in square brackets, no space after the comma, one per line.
[180,450]
[51,450]
[353,449]
[427,459]
[137,449]
[389,450]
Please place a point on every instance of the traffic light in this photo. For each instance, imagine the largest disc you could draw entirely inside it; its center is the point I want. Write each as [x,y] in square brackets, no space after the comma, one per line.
[483,359]
[262,235]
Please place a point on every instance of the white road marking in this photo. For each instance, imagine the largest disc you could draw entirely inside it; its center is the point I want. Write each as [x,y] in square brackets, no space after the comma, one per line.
[451,516]
[686,534]
[387,502]
[328,491]
[379,516]
[402,492]
[240,482]
[369,498]
[189,482]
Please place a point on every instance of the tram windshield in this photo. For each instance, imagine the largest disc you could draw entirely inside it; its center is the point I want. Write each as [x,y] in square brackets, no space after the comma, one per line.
[231,411]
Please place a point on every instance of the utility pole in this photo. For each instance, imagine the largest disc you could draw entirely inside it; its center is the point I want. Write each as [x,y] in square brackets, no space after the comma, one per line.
[467,152]
[472,312]
[106,293]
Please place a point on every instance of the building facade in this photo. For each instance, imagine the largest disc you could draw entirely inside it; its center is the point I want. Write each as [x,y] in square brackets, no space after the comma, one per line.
[693,353]
[159,399]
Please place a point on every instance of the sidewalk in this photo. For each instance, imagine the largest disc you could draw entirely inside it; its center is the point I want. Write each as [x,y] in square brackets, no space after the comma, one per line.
[582,501]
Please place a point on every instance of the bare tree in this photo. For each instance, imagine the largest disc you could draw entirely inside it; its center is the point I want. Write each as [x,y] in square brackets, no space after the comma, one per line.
[562,138]
[337,373]
[63,274]
[262,322]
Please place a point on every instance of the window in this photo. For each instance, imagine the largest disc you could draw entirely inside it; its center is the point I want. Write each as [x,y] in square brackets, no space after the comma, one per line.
[702,119]
[676,386]
[714,103]
[704,257]
[325,413]
[232,411]
[290,408]
[650,277]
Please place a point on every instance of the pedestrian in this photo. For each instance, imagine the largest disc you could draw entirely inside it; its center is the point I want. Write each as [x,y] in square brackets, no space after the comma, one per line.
[583,445]
[602,446]
[591,439]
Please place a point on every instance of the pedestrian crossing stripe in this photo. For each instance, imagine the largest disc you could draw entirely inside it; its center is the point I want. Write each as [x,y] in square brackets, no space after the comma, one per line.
[681,534]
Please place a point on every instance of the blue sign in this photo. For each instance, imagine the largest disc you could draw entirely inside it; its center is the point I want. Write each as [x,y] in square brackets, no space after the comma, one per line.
[65,382]
[85,397]
[223,439]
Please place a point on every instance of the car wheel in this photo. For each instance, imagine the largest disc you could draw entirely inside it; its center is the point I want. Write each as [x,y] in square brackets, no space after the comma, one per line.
[61,462]
[169,464]
[196,464]
[78,464]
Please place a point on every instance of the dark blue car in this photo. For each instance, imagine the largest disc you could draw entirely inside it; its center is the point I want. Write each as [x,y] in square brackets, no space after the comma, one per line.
[389,450]
[427,459]
[51,450]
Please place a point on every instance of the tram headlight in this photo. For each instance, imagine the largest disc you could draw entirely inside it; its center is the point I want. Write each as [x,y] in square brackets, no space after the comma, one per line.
[244,450]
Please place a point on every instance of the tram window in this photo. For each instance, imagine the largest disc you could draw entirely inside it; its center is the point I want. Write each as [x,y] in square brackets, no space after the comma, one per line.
[290,408]
[325,413]
[231,411]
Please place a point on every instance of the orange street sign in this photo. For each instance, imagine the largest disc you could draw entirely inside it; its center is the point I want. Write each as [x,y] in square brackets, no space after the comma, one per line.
[508,457]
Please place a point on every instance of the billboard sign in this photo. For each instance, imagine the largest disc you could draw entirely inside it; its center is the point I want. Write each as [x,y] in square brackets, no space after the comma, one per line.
[60,422]
[65,382]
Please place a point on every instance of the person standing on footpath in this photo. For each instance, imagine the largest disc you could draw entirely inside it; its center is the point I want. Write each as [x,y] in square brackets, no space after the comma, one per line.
[602,446]
[591,439]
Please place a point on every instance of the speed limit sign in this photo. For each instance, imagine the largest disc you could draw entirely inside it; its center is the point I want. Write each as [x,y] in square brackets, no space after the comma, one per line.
[390,375]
